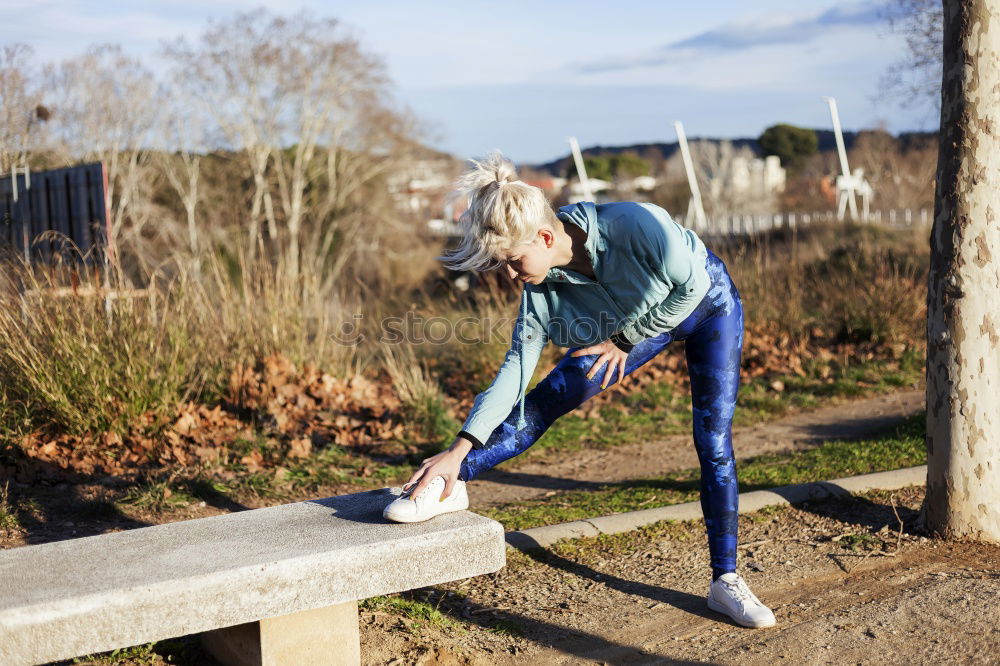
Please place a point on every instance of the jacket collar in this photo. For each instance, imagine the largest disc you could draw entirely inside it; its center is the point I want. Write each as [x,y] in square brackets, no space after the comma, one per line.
[583,215]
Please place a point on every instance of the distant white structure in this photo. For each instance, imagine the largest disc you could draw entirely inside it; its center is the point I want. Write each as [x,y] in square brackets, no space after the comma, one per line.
[558,182]
[755,177]
[847,186]
[736,180]
[643,184]
[584,191]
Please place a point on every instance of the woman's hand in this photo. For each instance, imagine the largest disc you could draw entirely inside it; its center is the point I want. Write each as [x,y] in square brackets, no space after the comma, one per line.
[445,464]
[610,353]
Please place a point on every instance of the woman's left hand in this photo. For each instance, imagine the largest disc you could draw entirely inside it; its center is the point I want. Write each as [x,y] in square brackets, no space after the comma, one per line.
[608,352]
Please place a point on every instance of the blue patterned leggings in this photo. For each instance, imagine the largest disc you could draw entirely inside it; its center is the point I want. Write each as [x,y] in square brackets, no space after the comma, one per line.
[714,343]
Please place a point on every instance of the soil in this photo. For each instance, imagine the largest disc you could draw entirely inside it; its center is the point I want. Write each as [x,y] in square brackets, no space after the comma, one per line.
[520,480]
[831,571]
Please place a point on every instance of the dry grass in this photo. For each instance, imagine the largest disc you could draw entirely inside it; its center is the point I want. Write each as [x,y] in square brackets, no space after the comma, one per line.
[101,354]
[85,362]
[855,283]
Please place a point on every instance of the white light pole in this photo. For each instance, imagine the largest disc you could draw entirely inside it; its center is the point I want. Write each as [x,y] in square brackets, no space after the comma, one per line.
[581,171]
[694,206]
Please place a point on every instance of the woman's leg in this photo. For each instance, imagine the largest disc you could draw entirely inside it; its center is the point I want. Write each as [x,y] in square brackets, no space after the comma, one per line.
[713,352]
[563,389]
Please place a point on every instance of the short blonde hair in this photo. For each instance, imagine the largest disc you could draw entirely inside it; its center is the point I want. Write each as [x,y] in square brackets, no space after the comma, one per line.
[503,212]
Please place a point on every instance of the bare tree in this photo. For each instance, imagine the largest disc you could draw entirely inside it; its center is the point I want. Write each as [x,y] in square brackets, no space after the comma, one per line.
[902,176]
[329,88]
[353,192]
[309,110]
[963,317]
[183,130]
[918,73]
[104,106]
[21,110]
[232,72]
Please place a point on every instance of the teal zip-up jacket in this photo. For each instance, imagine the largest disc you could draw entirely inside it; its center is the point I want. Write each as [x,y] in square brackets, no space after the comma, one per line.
[650,275]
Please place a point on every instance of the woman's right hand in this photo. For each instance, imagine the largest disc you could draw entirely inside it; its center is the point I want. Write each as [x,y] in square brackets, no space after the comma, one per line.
[445,464]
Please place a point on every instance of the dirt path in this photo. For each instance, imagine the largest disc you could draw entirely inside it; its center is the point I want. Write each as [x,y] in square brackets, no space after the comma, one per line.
[639,598]
[877,616]
[532,478]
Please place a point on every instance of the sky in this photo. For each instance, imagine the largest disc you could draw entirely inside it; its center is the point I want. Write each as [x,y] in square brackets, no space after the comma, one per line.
[522,76]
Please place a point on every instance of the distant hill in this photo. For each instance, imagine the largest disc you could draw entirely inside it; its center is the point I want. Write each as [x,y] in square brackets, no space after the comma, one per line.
[827,142]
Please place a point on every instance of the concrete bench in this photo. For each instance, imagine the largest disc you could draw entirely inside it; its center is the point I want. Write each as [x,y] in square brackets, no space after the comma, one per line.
[278,585]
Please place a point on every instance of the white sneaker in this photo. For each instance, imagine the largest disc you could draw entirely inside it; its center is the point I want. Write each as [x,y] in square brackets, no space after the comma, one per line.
[406,509]
[729,594]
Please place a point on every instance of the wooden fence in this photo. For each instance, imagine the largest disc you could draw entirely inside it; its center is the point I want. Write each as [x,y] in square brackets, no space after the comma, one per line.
[68,201]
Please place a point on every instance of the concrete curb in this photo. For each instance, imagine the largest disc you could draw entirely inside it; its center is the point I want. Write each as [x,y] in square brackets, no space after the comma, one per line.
[539,537]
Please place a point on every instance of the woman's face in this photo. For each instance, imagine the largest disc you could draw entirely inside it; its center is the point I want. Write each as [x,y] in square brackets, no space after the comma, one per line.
[529,262]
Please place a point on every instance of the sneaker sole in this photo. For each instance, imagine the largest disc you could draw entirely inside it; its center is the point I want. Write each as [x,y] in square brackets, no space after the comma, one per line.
[719,608]
[419,519]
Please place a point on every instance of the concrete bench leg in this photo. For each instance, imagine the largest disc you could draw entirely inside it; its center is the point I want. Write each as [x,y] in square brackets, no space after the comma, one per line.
[321,637]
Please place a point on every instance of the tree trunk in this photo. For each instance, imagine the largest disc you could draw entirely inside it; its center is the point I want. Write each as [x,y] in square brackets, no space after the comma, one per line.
[963,297]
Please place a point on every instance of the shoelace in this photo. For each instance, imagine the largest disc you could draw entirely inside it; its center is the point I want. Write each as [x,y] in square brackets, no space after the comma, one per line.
[422,492]
[739,590]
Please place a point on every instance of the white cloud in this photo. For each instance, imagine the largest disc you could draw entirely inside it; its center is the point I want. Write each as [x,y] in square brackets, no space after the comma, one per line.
[746,34]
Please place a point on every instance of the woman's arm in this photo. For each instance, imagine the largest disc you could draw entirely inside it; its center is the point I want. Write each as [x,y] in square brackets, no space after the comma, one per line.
[491,406]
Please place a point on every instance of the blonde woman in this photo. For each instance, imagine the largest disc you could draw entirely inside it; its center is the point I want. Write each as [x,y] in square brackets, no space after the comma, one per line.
[615,283]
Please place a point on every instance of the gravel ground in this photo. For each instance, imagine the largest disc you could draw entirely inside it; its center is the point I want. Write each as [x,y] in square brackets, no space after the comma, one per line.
[831,571]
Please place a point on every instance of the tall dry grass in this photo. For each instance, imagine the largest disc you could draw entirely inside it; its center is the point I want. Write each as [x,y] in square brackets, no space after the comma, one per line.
[100,355]
[856,283]
[85,351]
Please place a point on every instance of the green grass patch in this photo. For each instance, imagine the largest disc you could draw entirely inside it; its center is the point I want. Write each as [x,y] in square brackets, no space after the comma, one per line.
[333,465]
[854,542]
[758,401]
[158,496]
[506,627]
[184,650]
[903,446]
[9,521]
[654,411]
[138,654]
[421,611]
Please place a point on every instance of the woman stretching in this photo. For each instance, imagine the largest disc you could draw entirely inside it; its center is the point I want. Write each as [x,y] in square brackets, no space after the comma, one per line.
[616,283]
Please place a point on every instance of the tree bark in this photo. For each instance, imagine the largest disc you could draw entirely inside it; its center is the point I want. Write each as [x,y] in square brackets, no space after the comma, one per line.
[963,297]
